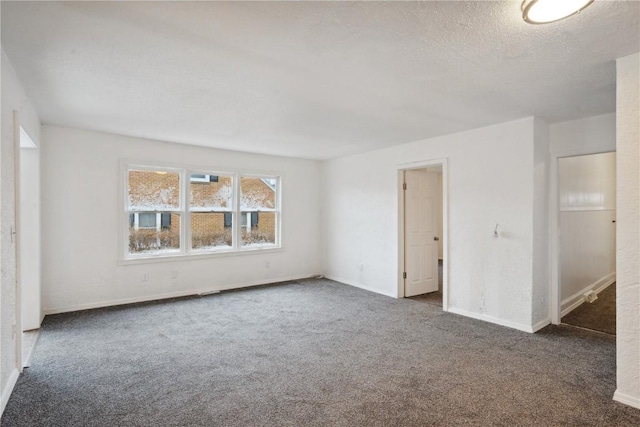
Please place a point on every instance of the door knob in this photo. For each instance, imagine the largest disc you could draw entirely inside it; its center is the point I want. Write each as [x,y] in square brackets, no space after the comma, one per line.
[436,238]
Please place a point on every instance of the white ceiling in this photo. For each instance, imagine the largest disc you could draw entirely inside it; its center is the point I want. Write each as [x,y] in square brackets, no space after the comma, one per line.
[311,79]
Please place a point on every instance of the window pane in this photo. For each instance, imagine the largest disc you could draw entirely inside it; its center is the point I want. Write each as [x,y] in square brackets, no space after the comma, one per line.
[211,230]
[258,229]
[216,193]
[258,194]
[146,240]
[153,190]
[147,220]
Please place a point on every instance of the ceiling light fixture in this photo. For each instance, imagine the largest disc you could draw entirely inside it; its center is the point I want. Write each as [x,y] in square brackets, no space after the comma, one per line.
[546,11]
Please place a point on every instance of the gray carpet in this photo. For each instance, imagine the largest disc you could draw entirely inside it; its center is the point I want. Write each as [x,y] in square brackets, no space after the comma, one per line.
[311,353]
[599,315]
[434,298]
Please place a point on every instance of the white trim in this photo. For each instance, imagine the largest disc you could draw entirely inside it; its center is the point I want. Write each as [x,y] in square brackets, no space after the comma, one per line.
[626,399]
[197,254]
[177,294]
[16,330]
[8,389]
[574,301]
[585,209]
[401,236]
[541,324]
[491,319]
[26,362]
[359,285]
[445,223]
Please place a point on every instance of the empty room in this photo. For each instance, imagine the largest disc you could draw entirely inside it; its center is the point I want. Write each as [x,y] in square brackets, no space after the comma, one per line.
[368,213]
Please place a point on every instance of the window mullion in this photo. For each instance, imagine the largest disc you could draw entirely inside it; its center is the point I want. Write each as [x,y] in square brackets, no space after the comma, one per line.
[236,219]
[185,212]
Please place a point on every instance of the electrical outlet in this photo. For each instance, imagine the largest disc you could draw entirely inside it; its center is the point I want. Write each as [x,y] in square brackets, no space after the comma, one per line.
[145,277]
[174,274]
[267,264]
[360,267]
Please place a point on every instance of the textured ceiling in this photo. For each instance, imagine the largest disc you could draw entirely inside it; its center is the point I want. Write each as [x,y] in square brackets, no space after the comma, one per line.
[311,79]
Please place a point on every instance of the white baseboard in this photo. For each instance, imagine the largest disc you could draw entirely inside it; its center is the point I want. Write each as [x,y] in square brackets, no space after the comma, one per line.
[541,324]
[178,294]
[358,285]
[574,301]
[8,389]
[491,319]
[626,399]
[26,359]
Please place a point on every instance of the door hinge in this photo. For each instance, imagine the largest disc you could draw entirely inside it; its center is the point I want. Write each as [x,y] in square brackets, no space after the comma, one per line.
[404,275]
[404,186]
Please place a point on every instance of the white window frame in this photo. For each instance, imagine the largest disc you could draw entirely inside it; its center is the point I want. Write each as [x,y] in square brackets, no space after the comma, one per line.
[184,211]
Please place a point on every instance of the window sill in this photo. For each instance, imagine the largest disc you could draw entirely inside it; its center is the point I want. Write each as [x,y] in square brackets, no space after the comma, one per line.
[170,257]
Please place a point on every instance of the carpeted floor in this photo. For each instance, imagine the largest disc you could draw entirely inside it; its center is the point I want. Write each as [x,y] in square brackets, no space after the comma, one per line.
[310,353]
[599,315]
[434,298]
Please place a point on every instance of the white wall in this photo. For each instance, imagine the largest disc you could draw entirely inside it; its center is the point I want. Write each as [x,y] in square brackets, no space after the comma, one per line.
[29,232]
[491,181]
[439,207]
[13,99]
[587,199]
[628,230]
[577,137]
[590,135]
[540,276]
[81,221]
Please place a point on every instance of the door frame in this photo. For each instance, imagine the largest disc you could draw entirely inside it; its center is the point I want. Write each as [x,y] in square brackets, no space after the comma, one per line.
[555,308]
[443,162]
[16,236]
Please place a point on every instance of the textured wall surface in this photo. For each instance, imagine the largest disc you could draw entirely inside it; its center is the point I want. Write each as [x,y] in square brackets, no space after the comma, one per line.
[80,260]
[491,181]
[13,99]
[628,235]
[540,281]
[585,136]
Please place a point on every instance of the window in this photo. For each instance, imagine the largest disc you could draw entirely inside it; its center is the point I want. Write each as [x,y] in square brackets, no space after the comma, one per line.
[150,220]
[179,212]
[203,178]
[258,208]
[153,207]
[211,208]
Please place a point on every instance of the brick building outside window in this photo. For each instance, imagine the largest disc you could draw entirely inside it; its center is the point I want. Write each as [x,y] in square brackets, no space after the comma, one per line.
[156,211]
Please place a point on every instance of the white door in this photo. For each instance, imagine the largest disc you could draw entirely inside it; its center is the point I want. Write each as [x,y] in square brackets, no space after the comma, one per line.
[420,225]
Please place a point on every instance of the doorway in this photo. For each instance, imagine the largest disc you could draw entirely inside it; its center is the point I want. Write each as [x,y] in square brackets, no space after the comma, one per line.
[587,246]
[423,275]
